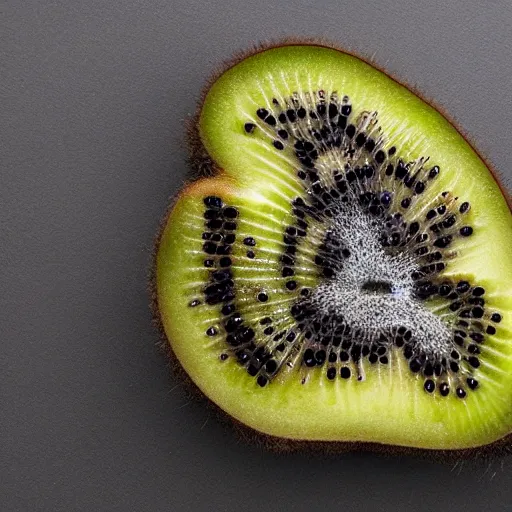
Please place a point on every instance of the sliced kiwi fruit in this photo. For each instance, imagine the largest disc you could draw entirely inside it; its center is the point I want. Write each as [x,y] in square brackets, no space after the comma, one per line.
[343,271]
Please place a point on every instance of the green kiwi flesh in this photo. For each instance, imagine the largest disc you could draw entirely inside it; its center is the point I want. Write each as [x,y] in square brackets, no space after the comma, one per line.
[346,274]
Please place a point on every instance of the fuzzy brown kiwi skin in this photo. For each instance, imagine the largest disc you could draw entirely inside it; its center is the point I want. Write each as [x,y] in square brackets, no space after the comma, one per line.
[202,165]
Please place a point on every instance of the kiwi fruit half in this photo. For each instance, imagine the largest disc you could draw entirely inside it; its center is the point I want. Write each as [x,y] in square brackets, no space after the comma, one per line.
[343,270]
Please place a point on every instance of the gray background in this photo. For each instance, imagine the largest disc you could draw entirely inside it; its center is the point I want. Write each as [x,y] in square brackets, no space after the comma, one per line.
[94,98]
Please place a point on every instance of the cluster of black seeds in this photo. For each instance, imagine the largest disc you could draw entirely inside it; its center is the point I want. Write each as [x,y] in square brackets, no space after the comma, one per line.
[343,162]
[240,338]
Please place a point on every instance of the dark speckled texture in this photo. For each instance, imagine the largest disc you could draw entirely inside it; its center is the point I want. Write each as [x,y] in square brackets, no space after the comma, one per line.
[94,99]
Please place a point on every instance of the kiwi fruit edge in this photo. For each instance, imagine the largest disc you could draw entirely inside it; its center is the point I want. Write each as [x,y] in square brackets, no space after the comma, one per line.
[202,165]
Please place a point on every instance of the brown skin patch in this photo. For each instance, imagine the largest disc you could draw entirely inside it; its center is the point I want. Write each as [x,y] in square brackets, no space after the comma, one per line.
[203,168]
[202,187]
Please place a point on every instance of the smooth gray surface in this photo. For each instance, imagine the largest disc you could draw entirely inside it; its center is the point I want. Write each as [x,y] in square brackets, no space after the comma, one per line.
[94,98]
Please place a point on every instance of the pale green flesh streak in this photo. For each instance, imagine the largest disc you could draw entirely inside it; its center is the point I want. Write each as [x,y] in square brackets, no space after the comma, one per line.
[390,406]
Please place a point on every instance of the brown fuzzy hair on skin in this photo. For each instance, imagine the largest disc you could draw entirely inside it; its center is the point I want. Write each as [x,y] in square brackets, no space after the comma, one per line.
[201,166]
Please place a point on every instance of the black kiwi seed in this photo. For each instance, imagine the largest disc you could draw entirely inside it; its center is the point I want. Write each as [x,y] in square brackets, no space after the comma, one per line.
[271,366]
[331,373]
[405,202]
[320,357]
[428,371]
[473,361]
[252,370]
[344,357]
[476,336]
[225,262]
[464,207]
[463,286]
[262,381]
[444,290]
[228,309]
[477,312]
[415,365]
[431,214]
[400,171]
[333,110]
[380,157]
[429,386]
[346,110]
[230,212]
[413,228]
[230,226]
[213,202]
[211,214]
[460,393]
[209,248]
[345,372]
[419,188]
[433,172]
[472,383]
[496,318]
[444,389]
[262,113]
[271,120]
[350,131]
[309,358]
[287,272]
[214,224]
[250,241]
